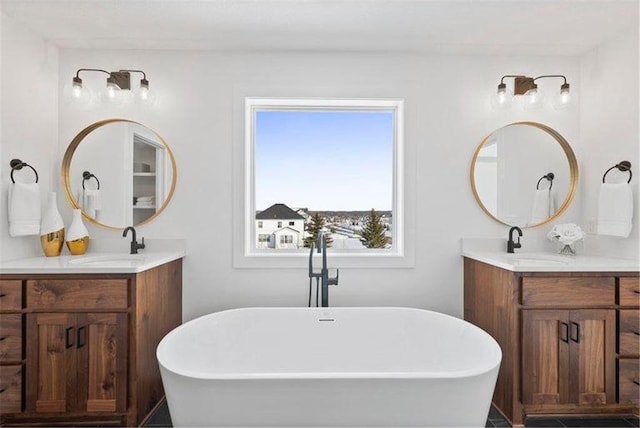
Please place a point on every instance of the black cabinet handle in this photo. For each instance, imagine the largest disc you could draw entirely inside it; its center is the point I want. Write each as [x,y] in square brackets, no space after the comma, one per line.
[68,337]
[637,333]
[82,336]
[635,291]
[3,294]
[636,382]
[565,333]
[577,332]
[2,390]
[2,338]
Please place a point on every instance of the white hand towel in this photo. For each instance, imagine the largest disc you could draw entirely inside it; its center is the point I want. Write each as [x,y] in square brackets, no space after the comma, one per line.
[615,209]
[91,202]
[24,209]
[542,206]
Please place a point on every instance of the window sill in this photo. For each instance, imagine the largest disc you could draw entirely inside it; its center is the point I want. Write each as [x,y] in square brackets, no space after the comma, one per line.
[284,259]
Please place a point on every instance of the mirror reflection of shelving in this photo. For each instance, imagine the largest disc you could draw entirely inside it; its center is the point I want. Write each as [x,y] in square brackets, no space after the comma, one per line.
[145,161]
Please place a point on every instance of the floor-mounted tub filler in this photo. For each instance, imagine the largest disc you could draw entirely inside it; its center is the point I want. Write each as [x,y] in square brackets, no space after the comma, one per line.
[328,367]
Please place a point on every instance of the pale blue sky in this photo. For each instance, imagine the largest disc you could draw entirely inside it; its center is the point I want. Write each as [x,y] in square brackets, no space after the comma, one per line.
[324,160]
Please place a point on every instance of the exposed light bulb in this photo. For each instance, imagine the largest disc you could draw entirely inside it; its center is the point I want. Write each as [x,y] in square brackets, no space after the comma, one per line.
[503,97]
[145,95]
[112,94]
[76,93]
[532,99]
[564,99]
[112,90]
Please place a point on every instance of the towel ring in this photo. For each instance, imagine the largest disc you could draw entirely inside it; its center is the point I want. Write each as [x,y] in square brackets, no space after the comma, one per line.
[549,176]
[17,164]
[86,176]
[622,166]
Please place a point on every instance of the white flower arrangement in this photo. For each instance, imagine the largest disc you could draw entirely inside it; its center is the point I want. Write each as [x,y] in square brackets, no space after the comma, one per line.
[566,234]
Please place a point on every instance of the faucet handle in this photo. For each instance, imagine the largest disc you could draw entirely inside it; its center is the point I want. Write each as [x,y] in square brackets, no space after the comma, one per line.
[141,245]
[334,281]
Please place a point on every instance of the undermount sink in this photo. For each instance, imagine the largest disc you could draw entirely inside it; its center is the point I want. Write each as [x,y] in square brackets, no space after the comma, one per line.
[537,259]
[109,260]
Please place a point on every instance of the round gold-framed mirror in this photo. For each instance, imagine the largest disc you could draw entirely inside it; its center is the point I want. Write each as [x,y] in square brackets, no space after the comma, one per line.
[524,174]
[119,173]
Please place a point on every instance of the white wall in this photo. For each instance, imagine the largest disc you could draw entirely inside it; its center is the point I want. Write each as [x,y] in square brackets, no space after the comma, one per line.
[29,123]
[447,115]
[609,132]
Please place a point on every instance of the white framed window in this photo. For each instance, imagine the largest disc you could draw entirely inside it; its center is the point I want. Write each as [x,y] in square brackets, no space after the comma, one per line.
[324,160]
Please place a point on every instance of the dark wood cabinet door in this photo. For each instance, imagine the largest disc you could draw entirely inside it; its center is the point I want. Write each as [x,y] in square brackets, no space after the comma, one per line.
[545,356]
[77,362]
[593,356]
[51,363]
[102,361]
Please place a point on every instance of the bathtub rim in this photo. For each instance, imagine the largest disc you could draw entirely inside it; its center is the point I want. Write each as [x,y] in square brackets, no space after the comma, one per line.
[197,375]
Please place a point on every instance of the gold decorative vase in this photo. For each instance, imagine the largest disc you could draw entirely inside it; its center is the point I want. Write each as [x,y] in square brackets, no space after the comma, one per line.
[77,235]
[52,243]
[78,247]
[52,229]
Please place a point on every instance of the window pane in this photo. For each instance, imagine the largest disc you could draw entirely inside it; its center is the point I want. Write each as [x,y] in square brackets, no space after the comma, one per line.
[335,165]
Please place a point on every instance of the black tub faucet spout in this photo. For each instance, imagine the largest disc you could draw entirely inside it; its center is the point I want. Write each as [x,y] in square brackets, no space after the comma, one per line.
[513,245]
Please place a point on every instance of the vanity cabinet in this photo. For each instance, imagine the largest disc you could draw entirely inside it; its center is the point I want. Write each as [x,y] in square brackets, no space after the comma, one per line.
[569,339]
[11,346]
[84,346]
[628,363]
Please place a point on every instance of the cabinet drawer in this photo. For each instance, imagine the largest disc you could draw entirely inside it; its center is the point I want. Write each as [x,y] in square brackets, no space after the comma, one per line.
[10,337]
[83,294]
[628,379]
[629,331]
[11,389]
[11,295]
[629,291]
[568,291]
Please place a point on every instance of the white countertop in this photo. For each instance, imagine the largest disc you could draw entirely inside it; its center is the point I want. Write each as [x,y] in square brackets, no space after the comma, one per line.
[550,262]
[91,263]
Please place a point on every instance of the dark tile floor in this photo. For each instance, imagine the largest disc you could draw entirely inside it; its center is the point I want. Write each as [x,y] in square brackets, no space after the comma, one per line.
[496,420]
[161,418]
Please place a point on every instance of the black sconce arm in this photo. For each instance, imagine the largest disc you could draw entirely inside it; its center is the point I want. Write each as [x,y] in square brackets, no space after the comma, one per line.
[90,69]
[552,75]
[508,75]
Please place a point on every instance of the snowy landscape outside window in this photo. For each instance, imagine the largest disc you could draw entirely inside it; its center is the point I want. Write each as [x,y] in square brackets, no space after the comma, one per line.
[323,165]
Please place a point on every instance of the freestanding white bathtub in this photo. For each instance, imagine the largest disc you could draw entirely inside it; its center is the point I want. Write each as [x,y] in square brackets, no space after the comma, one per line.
[328,367]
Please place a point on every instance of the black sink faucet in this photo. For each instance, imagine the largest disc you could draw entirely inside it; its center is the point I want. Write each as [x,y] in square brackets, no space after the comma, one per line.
[510,244]
[134,244]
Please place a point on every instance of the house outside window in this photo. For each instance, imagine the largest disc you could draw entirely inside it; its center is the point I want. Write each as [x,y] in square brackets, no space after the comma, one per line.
[259,225]
[272,220]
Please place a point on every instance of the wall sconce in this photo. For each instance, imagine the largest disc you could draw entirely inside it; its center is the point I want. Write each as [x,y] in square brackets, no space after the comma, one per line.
[117,83]
[528,88]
